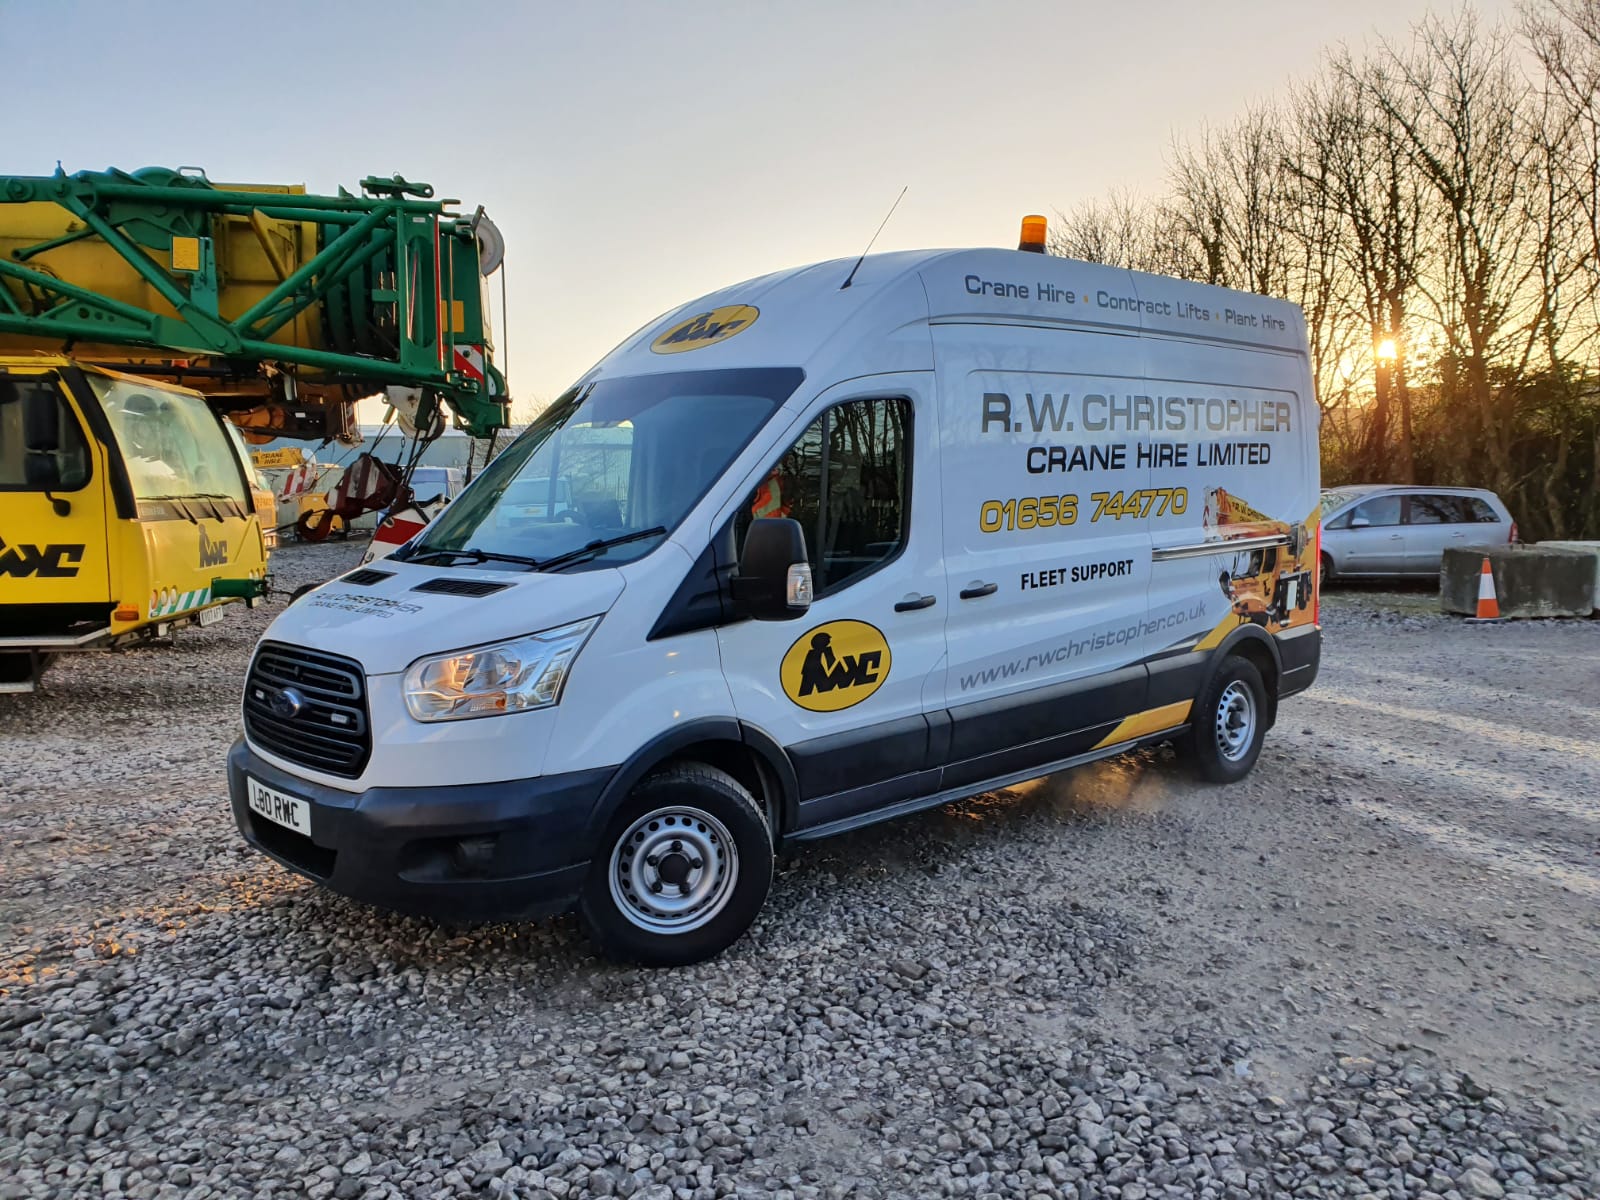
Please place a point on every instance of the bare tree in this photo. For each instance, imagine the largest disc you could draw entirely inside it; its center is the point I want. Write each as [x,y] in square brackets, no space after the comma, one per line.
[1434,208]
[1354,162]
[1124,230]
[1230,197]
[1565,37]
[1460,107]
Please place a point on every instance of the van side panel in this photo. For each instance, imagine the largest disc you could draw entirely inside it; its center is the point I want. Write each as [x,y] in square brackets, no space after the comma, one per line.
[1048,500]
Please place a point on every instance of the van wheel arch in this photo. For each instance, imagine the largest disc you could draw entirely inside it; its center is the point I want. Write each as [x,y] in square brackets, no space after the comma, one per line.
[1261,650]
[747,753]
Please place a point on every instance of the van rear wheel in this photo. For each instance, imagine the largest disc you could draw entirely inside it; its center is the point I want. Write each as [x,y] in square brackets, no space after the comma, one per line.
[682,871]
[1229,722]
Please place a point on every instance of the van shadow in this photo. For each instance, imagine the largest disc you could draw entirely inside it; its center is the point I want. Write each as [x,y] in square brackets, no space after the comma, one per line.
[1003,828]
[1129,787]
[386,984]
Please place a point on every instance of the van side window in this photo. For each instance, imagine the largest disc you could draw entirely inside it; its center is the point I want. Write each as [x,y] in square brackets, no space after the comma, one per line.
[64,469]
[845,480]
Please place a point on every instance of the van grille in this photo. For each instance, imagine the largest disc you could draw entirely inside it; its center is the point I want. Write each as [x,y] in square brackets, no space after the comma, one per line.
[308,707]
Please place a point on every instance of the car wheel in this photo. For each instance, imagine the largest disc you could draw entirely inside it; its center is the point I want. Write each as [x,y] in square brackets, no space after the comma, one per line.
[682,871]
[1324,572]
[1229,723]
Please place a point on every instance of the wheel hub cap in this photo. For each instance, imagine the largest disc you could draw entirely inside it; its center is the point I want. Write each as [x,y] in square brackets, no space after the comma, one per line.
[673,870]
[1236,721]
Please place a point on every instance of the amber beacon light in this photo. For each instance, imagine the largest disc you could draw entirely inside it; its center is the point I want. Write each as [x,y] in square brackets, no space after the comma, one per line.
[1033,232]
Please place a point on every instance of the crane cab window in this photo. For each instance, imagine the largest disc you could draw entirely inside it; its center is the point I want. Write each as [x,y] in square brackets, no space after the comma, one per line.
[42,449]
[173,446]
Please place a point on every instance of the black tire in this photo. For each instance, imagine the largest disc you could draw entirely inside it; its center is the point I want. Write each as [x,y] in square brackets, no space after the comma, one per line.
[1223,751]
[710,839]
[1325,572]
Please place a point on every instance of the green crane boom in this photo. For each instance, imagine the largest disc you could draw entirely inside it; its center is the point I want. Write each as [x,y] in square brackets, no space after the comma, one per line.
[261,294]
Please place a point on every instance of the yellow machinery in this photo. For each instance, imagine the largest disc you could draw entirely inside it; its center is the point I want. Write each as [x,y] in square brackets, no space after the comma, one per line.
[125,510]
[281,306]
[151,323]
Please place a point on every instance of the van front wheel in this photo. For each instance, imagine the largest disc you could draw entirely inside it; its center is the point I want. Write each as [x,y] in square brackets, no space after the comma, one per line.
[682,871]
[1229,722]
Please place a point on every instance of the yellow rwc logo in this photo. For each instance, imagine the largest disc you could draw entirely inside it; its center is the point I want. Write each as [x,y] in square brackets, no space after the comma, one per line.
[707,328]
[835,666]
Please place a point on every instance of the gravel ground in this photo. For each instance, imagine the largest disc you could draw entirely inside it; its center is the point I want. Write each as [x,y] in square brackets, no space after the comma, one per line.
[1370,970]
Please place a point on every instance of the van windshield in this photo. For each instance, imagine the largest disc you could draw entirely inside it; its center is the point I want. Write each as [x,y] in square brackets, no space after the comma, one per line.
[610,459]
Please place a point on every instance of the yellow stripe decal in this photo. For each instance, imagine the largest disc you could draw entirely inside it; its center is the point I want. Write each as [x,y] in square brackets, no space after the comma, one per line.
[1152,720]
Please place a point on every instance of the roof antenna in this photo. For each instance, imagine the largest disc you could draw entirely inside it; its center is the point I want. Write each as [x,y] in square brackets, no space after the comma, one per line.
[868,250]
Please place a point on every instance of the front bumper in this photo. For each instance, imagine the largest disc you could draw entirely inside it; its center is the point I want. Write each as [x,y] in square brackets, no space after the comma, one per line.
[478,852]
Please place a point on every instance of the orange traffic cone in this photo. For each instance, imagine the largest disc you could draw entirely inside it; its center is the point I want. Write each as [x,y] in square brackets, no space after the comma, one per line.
[1488,603]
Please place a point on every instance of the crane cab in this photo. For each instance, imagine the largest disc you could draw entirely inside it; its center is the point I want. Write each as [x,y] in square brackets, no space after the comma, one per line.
[125,510]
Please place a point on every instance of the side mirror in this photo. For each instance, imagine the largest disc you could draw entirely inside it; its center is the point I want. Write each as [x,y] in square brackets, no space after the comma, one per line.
[1359,523]
[773,582]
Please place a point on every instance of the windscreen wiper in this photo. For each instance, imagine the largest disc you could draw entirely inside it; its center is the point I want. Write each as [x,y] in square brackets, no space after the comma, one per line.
[599,547]
[473,554]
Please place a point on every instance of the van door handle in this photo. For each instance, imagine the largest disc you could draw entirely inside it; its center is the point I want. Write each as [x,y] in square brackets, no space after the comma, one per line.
[977,590]
[913,602]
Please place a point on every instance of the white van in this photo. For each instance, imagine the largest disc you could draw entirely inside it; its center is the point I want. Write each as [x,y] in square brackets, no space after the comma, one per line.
[830,554]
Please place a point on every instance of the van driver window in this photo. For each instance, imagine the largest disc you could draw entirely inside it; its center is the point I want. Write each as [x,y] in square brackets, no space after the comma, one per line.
[845,481]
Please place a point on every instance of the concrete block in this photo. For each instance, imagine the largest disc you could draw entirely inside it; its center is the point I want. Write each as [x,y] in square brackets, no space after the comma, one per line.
[1591,548]
[1530,581]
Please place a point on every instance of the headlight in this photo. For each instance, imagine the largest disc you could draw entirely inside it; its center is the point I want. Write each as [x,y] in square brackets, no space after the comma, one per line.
[507,677]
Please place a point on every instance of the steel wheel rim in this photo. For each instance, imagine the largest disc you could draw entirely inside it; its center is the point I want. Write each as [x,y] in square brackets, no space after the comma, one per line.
[1236,721]
[673,870]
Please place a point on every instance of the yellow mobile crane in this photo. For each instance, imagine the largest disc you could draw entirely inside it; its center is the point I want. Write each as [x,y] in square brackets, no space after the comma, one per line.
[150,323]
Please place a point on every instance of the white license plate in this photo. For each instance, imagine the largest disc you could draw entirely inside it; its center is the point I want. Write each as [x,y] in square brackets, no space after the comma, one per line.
[275,806]
[210,616]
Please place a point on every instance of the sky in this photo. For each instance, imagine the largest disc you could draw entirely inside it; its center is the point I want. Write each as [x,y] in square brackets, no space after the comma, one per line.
[638,155]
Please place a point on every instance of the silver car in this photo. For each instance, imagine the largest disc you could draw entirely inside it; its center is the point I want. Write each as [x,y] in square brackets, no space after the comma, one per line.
[1375,529]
